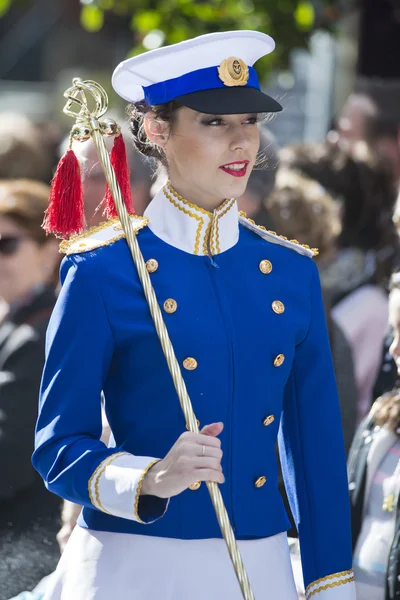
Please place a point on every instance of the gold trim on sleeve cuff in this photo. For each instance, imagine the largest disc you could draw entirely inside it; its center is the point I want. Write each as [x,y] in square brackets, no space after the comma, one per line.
[96,478]
[348,578]
[139,489]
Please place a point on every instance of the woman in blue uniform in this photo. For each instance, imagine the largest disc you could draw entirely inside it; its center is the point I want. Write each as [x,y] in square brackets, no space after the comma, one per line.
[244,312]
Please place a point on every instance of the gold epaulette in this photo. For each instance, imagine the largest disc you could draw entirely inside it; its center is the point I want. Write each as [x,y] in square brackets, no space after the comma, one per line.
[272,236]
[103,234]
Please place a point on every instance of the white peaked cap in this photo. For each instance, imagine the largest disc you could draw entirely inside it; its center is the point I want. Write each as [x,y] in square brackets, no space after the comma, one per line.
[185,70]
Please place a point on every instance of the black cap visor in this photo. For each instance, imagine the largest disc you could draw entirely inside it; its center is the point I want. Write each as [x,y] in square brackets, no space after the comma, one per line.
[230,101]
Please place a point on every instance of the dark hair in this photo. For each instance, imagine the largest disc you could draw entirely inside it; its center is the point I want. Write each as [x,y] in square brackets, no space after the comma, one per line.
[165,112]
[384,96]
[363,182]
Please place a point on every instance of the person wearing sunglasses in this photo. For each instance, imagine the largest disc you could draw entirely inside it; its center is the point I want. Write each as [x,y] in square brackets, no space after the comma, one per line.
[29,514]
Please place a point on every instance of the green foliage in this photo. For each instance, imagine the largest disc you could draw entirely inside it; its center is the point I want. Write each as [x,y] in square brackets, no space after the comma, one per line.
[305,16]
[146,21]
[4,6]
[288,21]
[92,18]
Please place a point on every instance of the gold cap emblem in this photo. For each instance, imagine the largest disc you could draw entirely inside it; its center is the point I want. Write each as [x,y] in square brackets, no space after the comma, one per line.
[233,71]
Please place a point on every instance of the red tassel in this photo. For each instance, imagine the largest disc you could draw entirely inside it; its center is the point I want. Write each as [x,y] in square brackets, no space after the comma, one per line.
[121,168]
[65,214]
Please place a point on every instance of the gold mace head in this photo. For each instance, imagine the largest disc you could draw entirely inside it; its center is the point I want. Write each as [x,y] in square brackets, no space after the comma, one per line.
[87,101]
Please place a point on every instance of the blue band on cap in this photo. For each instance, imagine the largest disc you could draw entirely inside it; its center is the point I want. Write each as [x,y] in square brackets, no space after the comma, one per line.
[195,81]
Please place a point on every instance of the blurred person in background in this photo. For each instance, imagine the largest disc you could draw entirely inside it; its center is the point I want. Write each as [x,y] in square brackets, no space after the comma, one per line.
[261,181]
[25,150]
[29,514]
[374,483]
[302,209]
[367,248]
[372,114]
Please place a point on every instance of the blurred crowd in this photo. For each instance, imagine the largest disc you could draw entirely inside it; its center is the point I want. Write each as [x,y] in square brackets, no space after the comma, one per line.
[339,195]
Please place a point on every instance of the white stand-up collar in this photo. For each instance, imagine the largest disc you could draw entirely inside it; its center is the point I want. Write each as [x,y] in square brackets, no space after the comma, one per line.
[191,228]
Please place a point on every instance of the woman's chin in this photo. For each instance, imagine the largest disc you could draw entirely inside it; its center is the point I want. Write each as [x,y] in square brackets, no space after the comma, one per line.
[235,188]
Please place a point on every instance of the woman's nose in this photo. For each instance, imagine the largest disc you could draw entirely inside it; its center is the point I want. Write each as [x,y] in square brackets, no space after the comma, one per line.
[240,139]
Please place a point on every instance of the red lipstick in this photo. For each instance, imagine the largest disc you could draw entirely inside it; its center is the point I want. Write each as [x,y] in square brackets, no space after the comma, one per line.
[236,169]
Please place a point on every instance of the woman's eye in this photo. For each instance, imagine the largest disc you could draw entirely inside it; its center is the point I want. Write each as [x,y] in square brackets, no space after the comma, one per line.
[251,120]
[213,122]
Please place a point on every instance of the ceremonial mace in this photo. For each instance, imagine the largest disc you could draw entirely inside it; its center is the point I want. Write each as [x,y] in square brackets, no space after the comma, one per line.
[88,124]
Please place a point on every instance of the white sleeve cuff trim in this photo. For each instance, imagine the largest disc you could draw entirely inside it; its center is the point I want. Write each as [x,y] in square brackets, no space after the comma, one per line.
[339,586]
[115,485]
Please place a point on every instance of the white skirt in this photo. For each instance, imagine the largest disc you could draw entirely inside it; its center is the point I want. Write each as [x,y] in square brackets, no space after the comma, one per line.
[98,565]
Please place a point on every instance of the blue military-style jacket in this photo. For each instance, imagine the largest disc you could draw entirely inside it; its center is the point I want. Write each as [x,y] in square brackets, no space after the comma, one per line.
[244,312]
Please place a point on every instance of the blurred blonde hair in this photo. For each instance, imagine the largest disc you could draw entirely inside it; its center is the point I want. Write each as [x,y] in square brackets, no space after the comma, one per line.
[25,201]
[386,411]
[302,209]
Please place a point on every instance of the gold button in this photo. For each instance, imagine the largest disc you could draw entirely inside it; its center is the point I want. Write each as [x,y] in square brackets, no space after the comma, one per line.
[170,306]
[278,307]
[152,265]
[118,227]
[260,481]
[195,486]
[198,424]
[279,360]
[265,267]
[268,420]
[83,245]
[190,363]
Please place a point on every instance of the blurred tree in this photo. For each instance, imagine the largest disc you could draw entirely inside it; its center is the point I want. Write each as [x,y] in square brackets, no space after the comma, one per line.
[157,22]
